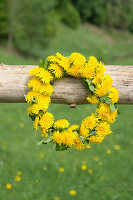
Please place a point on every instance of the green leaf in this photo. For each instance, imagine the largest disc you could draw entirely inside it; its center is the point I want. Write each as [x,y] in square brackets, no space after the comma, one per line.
[45,141]
[86,142]
[41,63]
[112,107]
[105,99]
[60,148]
[85,84]
[25,95]
[91,86]
[32,117]
[92,133]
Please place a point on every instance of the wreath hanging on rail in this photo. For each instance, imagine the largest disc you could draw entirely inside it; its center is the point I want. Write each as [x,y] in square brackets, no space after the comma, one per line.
[94,128]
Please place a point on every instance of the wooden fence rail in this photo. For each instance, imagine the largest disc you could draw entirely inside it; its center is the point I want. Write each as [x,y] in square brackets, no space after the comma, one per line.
[68,90]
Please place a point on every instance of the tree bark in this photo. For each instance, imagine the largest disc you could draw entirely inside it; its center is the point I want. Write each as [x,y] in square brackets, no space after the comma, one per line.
[67,90]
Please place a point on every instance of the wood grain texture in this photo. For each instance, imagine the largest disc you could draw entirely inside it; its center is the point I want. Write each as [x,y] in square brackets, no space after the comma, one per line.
[68,90]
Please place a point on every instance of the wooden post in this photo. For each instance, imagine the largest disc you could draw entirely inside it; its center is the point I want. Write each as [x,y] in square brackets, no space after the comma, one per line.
[68,90]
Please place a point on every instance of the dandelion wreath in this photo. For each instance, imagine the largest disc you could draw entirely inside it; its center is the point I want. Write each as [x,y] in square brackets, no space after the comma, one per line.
[94,128]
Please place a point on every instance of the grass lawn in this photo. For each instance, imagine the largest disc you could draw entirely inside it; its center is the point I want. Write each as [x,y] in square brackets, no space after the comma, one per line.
[43,173]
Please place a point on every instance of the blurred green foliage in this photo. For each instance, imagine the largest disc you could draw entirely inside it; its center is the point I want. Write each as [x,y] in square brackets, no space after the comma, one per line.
[29,26]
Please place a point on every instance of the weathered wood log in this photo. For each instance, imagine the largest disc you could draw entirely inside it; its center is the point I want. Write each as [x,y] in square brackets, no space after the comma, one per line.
[68,90]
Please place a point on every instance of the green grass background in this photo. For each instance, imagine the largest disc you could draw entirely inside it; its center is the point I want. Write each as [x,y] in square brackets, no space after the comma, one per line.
[41,179]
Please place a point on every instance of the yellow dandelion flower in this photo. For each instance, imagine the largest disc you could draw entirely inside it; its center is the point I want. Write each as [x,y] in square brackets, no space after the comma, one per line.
[104,113]
[90,122]
[84,131]
[84,167]
[53,59]
[36,108]
[96,158]
[42,155]
[99,74]
[92,61]
[88,70]
[61,169]
[21,125]
[72,192]
[92,99]
[69,138]
[44,132]
[19,173]
[114,95]
[46,120]
[43,102]
[96,139]
[34,71]
[44,76]
[29,110]
[73,127]
[45,168]
[108,151]
[35,84]
[32,96]
[46,89]
[78,144]
[116,147]
[103,128]
[100,163]
[77,59]
[101,178]
[103,88]
[56,70]
[64,62]
[58,137]
[74,70]
[8,186]
[18,178]
[90,171]
[36,122]
[62,123]
[36,181]
[57,198]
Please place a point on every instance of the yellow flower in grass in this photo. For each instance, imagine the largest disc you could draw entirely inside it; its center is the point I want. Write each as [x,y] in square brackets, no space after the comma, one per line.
[8,186]
[19,173]
[44,76]
[62,123]
[92,99]
[18,178]
[101,178]
[36,122]
[116,147]
[46,120]
[103,128]
[96,139]
[96,158]
[114,95]
[84,167]
[104,113]
[108,151]
[58,137]
[90,171]
[103,88]
[61,169]
[56,70]
[69,138]
[77,59]
[72,192]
